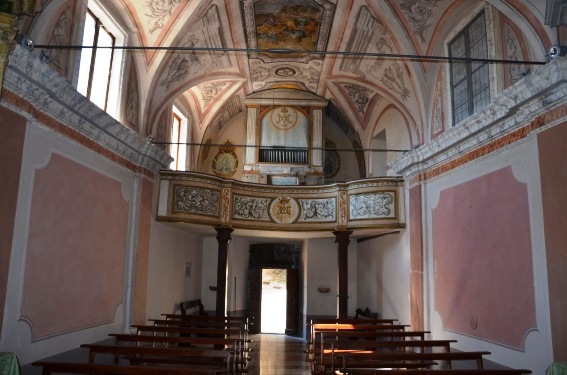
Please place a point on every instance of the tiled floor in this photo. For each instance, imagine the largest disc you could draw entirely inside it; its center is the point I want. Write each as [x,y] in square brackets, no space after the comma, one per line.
[275,354]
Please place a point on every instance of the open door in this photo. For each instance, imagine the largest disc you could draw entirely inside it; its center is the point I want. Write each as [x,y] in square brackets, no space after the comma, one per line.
[278,256]
[292,321]
[254,297]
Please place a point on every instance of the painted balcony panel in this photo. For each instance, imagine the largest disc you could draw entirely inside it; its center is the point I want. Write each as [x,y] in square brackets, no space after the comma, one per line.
[210,200]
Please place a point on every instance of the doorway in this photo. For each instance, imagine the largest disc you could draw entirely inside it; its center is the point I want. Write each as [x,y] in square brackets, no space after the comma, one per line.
[274,297]
[282,260]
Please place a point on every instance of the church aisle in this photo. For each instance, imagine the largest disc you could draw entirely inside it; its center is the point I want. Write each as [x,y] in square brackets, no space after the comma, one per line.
[277,354]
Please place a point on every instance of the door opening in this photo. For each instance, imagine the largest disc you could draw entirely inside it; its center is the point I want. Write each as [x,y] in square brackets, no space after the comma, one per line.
[274,297]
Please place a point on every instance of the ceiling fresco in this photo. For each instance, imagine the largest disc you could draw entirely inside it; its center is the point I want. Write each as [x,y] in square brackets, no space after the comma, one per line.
[338,50]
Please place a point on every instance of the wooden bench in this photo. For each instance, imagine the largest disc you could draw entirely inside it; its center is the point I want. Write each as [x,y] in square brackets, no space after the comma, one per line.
[365,314]
[50,368]
[328,348]
[204,332]
[177,340]
[238,345]
[232,321]
[312,322]
[187,305]
[437,372]
[206,359]
[200,323]
[375,359]
[352,335]
[205,317]
[317,328]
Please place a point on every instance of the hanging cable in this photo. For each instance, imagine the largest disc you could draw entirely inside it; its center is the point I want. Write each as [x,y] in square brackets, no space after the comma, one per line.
[281,147]
[286,51]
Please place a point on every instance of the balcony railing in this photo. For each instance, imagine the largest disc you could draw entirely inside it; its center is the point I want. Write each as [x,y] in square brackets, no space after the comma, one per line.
[281,154]
[205,199]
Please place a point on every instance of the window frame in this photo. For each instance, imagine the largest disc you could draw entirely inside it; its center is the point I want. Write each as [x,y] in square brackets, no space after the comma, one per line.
[178,146]
[469,67]
[111,26]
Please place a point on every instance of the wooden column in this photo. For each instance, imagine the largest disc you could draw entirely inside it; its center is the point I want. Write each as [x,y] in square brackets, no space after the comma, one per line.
[342,240]
[223,237]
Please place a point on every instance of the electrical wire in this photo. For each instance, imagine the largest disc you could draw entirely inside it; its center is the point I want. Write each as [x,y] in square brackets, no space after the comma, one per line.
[279,147]
[286,51]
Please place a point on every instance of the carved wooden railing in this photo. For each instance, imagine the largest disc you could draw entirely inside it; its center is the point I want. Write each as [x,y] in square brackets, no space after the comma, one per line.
[210,200]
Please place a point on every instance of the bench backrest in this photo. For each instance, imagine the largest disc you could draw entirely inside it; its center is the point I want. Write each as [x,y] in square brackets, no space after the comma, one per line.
[90,368]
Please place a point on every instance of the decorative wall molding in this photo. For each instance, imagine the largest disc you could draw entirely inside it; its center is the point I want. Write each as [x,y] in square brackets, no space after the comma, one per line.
[524,108]
[40,94]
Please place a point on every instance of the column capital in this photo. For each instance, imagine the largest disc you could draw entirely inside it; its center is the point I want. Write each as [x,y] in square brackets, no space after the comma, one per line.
[342,237]
[223,234]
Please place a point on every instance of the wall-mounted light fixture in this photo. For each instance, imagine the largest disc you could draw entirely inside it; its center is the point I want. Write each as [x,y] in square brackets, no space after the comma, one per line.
[555,51]
[323,289]
[26,42]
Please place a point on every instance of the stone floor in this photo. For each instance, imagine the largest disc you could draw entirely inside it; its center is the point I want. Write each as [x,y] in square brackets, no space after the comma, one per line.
[275,354]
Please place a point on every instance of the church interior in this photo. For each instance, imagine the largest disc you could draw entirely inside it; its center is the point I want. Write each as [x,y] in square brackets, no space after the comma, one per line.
[402,157]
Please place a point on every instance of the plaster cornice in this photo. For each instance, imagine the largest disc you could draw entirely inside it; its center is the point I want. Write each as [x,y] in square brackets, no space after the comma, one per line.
[42,93]
[543,90]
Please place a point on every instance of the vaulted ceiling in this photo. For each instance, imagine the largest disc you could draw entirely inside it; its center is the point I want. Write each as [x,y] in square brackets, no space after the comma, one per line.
[364,56]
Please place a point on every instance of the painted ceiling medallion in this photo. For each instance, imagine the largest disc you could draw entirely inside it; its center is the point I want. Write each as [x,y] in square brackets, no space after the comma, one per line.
[285,71]
[284,118]
[225,162]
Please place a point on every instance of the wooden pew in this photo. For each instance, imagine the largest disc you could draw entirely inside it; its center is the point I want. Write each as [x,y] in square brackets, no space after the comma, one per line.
[50,368]
[332,327]
[239,346]
[312,322]
[206,359]
[437,372]
[205,332]
[346,335]
[328,348]
[207,320]
[348,361]
[200,323]
[392,345]
[205,317]
[187,305]
[317,328]
[177,340]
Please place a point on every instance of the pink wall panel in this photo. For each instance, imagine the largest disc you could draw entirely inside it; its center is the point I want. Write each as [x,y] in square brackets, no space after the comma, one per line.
[484,284]
[74,267]
[553,164]
[416,258]
[13,130]
[143,253]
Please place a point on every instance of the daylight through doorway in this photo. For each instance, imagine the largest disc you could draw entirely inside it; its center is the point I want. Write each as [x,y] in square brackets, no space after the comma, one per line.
[274,296]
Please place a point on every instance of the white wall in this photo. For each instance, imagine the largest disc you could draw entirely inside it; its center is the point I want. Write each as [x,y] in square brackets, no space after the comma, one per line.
[170,249]
[209,272]
[383,276]
[238,255]
[321,269]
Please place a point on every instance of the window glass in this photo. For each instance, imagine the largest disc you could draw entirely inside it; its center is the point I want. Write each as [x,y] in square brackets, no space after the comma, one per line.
[178,149]
[470,82]
[101,63]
